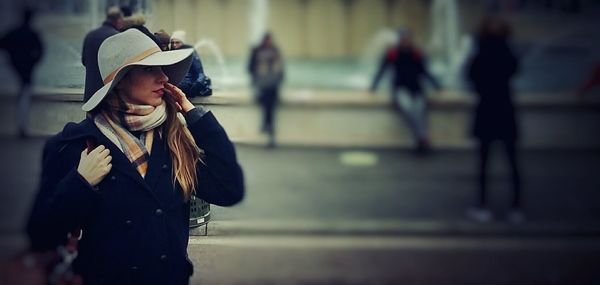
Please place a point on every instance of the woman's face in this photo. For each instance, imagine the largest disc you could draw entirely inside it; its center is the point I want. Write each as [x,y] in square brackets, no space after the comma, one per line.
[143,85]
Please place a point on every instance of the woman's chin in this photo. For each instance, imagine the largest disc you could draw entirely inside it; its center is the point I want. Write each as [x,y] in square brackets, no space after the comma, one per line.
[156,102]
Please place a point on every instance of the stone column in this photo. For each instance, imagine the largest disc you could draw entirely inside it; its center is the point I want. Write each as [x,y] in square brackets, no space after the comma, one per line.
[258,17]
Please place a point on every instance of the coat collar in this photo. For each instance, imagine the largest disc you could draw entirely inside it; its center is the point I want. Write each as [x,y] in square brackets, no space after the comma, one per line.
[86,129]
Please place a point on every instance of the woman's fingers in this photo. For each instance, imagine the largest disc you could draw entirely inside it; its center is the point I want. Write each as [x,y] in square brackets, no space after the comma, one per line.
[98,149]
[104,153]
[107,160]
[175,91]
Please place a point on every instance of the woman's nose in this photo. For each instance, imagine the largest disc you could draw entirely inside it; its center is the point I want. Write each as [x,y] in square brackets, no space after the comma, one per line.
[162,77]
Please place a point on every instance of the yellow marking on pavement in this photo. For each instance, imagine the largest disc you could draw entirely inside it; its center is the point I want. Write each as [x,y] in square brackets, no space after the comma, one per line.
[358,158]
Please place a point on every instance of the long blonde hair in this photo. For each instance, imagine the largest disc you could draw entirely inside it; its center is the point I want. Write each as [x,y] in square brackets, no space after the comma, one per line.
[185,154]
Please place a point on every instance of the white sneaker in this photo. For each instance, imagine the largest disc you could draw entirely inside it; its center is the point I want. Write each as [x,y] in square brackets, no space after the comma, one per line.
[480,215]
[515,217]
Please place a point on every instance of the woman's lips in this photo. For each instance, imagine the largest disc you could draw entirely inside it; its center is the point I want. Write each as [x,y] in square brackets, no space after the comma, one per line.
[159,92]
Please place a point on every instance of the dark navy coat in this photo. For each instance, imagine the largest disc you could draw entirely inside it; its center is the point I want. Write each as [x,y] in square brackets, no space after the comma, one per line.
[135,230]
[490,72]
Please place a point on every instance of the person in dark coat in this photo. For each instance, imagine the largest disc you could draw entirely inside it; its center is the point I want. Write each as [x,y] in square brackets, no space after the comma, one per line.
[89,55]
[490,71]
[125,174]
[25,50]
[267,71]
[195,83]
[409,66]
[137,21]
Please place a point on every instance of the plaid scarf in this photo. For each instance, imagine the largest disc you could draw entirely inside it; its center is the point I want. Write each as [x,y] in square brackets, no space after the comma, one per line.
[124,118]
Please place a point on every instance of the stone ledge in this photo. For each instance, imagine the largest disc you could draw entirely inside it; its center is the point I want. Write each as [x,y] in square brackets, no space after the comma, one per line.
[454,99]
[331,119]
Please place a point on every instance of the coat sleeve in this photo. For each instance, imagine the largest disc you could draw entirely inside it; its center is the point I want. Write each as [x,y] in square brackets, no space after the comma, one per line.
[383,64]
[252,64]
[220,177]
[64,200]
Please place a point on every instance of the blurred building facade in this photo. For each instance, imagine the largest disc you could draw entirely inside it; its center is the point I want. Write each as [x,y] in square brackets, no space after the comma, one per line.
[304,28]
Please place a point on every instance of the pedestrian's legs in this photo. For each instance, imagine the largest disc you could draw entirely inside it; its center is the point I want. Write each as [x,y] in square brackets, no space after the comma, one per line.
[420,115]
[23,109]
[269,100]
[484,150]
[269,116]
[260,95]
[265,118]
[406,105]
[414,108]
[511,152]
[481,213]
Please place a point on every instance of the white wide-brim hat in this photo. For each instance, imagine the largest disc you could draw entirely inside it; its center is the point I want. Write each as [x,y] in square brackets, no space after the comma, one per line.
[118,53]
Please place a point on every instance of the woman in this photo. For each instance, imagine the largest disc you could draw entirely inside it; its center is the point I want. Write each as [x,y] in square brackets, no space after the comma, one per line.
[490,71]
[130,194]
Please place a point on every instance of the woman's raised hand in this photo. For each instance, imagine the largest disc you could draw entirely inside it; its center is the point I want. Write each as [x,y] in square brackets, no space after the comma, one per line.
[183,103]
[94,166]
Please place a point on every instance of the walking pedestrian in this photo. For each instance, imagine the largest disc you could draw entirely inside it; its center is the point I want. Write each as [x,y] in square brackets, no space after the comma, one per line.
[267,72]
[25,50]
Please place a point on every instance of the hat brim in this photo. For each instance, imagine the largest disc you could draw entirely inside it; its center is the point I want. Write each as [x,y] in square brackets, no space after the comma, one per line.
[175,65]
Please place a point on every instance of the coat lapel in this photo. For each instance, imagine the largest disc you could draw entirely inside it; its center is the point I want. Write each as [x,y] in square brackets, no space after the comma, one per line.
[122,163]
[157,163]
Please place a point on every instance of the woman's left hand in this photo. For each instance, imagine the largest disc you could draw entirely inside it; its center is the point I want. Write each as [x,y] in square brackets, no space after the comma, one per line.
[183,103]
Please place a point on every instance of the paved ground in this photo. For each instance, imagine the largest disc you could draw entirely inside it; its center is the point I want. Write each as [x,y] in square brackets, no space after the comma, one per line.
[331,216]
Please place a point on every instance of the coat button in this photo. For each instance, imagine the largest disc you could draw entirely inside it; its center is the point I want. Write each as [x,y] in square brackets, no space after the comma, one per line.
[133,268]
[129,223]
[113,178]
[165,167]
[163,257]
[158,212]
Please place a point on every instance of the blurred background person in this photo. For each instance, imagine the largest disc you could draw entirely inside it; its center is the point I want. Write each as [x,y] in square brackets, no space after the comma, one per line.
[25,50]
[490,72]
[89,55]
[409,67]
[164,39]
[195,83]
[267,72]
[136,21]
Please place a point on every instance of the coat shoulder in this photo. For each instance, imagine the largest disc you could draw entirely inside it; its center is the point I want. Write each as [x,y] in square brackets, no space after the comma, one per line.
[72,134]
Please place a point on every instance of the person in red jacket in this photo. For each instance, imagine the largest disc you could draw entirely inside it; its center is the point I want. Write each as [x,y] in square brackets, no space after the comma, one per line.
[409,66]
